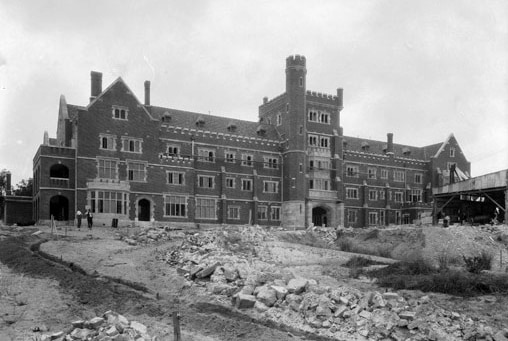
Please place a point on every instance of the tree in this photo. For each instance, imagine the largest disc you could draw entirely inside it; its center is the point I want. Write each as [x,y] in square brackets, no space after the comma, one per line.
[24,188]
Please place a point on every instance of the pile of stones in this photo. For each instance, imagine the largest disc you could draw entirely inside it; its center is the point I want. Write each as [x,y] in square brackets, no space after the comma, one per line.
[347,313]
[110,327]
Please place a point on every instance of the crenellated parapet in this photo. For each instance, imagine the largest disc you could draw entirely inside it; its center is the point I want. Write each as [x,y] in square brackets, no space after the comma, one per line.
[295,61]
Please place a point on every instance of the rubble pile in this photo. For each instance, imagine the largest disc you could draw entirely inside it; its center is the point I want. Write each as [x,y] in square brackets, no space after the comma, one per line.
[221,262]
[347,313]
[110,327]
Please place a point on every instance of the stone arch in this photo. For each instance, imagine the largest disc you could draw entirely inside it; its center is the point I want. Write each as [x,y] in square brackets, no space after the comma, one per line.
[59,208]
[321,215]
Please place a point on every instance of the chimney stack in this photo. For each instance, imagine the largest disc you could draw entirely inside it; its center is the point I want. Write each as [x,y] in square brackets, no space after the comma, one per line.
[340,103]
[265,100]
[96,88]
[147,92]
[389,146]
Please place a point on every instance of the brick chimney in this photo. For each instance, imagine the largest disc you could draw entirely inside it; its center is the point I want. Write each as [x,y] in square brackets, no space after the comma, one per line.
[96,84]
[147,92]
[389,145]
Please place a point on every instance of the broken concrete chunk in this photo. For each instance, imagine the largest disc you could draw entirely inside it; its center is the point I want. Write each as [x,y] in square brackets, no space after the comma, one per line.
[78,323]
[139,327]
[82,334]
[94,323]
[261,307]
[111,331]
[194,271]
[281,292]
[243,301]
[339,312]
[390,296]
[57,335]
[407,315]
[267,295]
[366,314]
[297,285]
[207,272]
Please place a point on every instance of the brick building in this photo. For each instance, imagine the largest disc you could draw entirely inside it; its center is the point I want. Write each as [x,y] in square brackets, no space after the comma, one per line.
[134,161]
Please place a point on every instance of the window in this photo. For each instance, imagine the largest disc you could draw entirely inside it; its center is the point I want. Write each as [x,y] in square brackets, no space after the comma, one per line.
[398,196]
[384,173]
[352,216]
[120,113]
[287,107]
[262,212]
[270,187]
[206,181]
[320,184]
[206,155]
[108,202]
[351,193]
[416,195]
[382,194]
[205,208]
[300,81]
[136,171]
[275,213]
[324,142]
[230,157]
[270,162]
[107,169]
[352,171]
[452,152]
[313,115]
[318,116]
[313,140]
[132,145]
[247,160]
[399,176]
[324,117]
[371,172]
[230,182]
[372,194]
[279,118]
[418,178]
[176,178]
[175,206]
[234,212]
[450,164]
[173,150]
[246,185]
[372,218]
[107,142]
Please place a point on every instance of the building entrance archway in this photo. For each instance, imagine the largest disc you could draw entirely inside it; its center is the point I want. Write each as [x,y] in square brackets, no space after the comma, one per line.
[144,210]
[59,208]
[320,216]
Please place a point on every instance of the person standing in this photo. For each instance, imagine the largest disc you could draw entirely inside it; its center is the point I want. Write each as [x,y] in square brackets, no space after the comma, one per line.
[79,215]
[89,219]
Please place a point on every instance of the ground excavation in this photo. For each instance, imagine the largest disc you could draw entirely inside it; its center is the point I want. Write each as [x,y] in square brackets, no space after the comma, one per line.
[245,283]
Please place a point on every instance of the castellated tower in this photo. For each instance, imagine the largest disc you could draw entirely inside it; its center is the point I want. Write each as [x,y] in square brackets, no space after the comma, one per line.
[294,156]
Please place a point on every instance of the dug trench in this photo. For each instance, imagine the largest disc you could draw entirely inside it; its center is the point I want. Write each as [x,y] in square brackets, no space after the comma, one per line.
[201,320]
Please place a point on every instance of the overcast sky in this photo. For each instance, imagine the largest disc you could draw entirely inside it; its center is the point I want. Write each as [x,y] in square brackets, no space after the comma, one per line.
[420,69]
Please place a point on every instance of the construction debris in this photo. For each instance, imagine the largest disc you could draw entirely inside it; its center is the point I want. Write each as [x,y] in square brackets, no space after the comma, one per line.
[111,326]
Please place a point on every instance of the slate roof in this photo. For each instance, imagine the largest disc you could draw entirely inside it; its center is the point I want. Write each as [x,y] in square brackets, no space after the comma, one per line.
[187,119]
[377,147]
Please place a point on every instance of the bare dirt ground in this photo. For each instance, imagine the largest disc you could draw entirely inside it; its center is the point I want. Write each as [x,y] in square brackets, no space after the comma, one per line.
[95,272]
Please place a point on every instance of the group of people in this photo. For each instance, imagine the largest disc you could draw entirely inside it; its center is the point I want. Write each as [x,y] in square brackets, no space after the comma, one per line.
[89,219]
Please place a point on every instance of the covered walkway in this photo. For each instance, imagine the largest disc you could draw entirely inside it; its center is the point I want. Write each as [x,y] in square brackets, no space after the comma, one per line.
[476,200]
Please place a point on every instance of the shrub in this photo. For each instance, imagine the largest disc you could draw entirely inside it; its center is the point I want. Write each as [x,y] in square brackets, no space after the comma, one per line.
[345,244]
[477,264]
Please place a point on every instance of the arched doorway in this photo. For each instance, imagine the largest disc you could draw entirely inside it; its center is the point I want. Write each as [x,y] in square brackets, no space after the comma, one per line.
[59,208]
[144,210]
[319,216]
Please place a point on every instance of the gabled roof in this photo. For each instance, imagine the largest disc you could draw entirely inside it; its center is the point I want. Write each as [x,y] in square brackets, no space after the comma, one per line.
[442,146]
[119,80]
[218,124]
